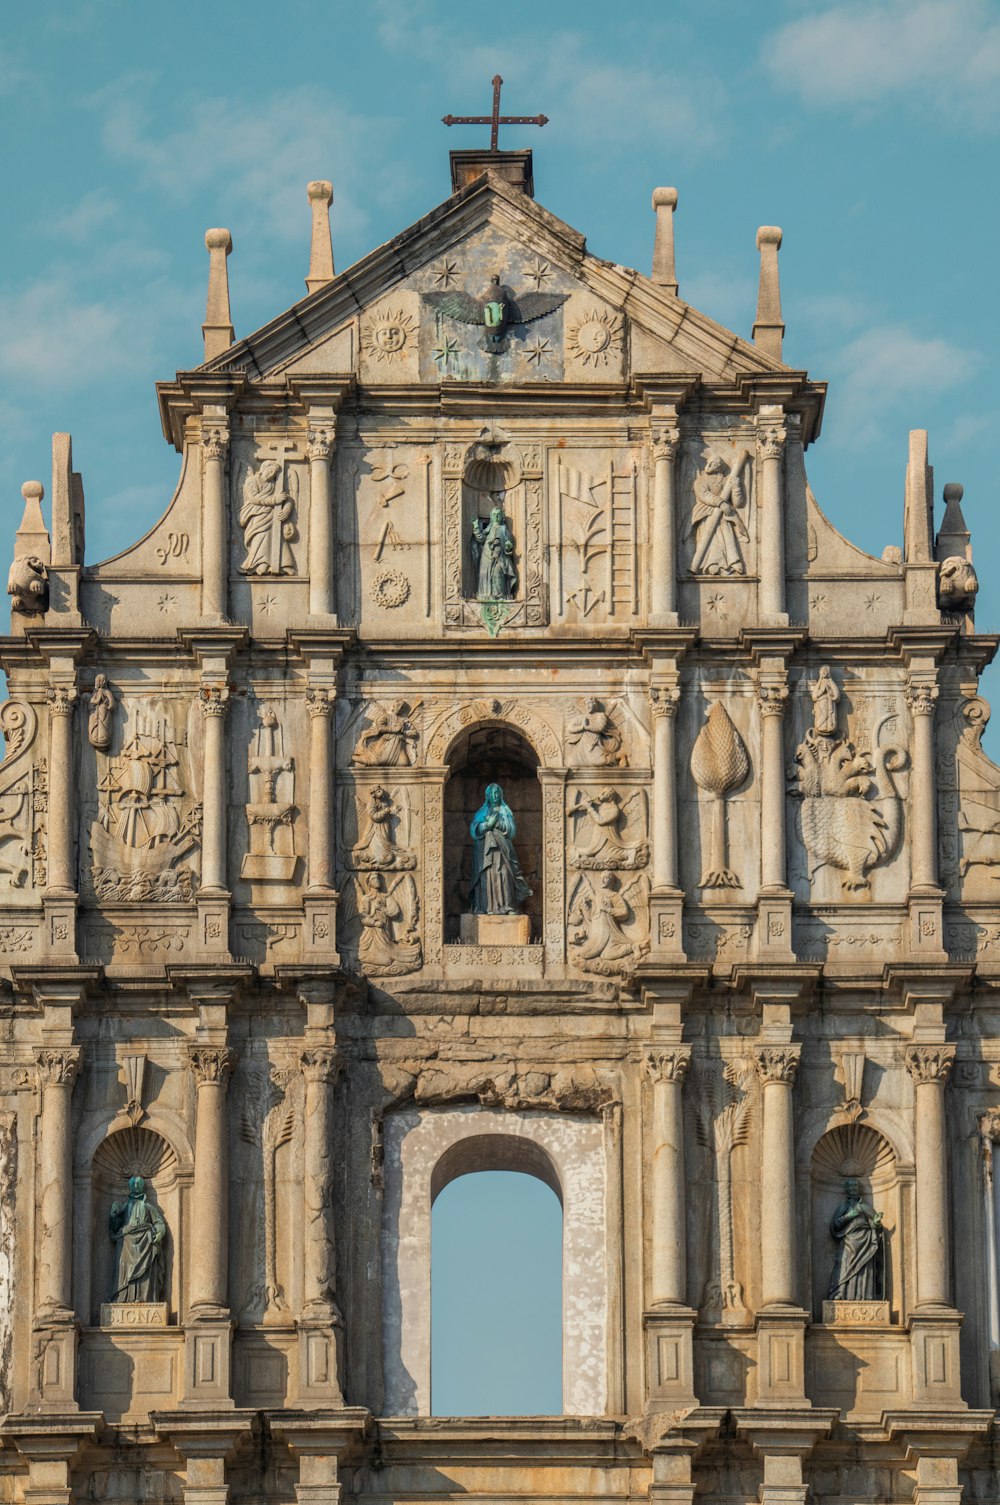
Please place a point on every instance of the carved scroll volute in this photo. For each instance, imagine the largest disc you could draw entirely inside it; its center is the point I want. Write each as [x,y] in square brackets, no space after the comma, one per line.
[719,764]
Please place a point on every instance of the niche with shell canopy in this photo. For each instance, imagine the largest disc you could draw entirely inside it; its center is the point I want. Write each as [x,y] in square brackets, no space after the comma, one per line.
[132,1152]
[491,478]
[855,1152]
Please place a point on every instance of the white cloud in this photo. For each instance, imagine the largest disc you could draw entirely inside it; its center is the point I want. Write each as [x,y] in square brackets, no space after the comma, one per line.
[890,367]
[939,53]
[90,214]
[261,153]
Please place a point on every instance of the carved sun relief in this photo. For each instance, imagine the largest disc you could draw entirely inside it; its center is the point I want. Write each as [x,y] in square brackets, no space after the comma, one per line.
[595,338]
[388,335]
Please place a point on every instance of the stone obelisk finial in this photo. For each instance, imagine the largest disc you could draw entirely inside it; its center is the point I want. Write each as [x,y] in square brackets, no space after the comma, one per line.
[768,328]
[664,272]
[218,327]
[321,248]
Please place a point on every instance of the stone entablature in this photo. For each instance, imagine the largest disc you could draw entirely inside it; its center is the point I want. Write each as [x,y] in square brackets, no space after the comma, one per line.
[573,550]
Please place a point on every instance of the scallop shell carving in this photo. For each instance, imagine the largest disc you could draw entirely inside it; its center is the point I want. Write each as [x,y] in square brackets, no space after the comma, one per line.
[719,758]
[135,1152]
[853,1150]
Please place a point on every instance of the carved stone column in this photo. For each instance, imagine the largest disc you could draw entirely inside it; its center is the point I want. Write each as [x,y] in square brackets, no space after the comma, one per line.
[781,1322]
[213,895]
[934,1324]
[320,1323]
[61,867]
[921,693]
[322,571]
[929,1066]
[55,1327]
[320,899]
[663,566]
[771,436]
[668,1069]
[214,520]
[774,907]
[667,900]
[209,1331]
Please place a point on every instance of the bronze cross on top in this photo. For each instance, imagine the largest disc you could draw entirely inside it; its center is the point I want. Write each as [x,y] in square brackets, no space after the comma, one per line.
[496,120]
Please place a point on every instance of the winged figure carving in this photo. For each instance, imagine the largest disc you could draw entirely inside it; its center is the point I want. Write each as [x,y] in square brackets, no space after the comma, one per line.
[496,312]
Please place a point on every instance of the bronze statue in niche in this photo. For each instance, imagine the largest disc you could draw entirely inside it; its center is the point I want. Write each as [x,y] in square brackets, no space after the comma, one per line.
[859,1268]
[138,1230]
[498,885]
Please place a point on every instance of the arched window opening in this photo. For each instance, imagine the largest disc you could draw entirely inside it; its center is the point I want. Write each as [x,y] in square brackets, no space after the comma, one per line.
[496,1281]
[491,755]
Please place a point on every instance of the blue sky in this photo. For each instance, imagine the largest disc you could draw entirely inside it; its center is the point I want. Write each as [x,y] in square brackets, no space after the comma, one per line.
[867,129]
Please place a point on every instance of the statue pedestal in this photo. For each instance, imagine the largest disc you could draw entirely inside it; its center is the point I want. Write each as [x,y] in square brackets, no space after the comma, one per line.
[134,1314]
[495,929]
[856,1313]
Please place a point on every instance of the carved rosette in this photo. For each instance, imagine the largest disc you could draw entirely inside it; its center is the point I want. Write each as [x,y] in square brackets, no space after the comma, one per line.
[57,1068]
[213,699]
[778,1063]
[215,443]
[320,702]
[211,1065]
[921,695]
[321,1063]
[61,699]
[668,1065]
[930,1063]
[664,700]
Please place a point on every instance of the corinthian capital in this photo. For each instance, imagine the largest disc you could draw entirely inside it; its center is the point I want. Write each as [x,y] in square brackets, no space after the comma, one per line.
[771,697]
[61,699]
[215,442]
[665,439]
[921,694]
[211,1065]
[664,700]
[320,702]
[771,438]
[321,1063]
[668,1064]
[213,699]
[57,1068]
[321,440]
[929,1063]
[778,1063]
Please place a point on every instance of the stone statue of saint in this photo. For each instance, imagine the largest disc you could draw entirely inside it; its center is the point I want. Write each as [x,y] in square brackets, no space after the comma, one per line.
[498,885]
[492,549]
[825,696]
[859,1269]
[720,499]
[102,709]
[138,1230]
[266,520]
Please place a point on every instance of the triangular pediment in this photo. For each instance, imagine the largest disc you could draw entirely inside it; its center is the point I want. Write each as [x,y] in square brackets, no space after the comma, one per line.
[406,313]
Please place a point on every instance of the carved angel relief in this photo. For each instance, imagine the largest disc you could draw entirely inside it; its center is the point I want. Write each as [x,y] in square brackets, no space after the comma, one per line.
[388,914]
[391,739]
[608,922]
[851,812]
[384,833]
[595,737]
[610,831]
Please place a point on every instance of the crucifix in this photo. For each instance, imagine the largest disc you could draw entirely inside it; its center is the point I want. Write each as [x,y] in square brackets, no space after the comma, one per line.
[496,120]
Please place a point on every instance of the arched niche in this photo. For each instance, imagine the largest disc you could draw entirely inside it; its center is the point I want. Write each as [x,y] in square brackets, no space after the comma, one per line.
[855,1152]
[132,1152]
[494,753]
[426,1149]
[491,478]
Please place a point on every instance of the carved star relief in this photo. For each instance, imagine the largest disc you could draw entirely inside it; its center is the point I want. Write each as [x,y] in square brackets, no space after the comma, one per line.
[717,603]
[538,351]
[445,272]
[444,352]
[539,272]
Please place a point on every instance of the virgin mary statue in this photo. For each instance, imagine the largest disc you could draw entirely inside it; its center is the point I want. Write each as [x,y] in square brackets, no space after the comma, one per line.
[498,885]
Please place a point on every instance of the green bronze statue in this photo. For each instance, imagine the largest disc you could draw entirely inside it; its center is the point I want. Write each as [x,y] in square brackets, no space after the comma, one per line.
[498,885]
[138,1230]
[859,1269]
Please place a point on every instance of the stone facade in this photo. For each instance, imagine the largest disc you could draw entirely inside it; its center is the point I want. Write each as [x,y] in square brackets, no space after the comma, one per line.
[758,958]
